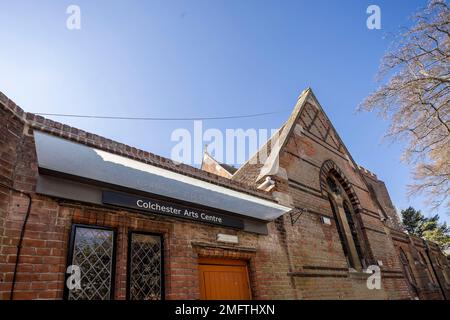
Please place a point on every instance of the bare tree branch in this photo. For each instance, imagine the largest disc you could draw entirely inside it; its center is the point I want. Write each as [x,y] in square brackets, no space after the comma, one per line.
[416,99]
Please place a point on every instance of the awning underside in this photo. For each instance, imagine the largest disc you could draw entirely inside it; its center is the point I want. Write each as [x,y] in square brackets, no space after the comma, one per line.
[69,158]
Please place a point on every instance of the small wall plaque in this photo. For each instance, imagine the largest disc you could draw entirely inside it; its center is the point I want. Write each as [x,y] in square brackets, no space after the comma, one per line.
[228,238]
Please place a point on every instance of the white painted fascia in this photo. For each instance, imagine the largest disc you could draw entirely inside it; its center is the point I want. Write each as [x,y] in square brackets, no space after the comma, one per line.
[106,156]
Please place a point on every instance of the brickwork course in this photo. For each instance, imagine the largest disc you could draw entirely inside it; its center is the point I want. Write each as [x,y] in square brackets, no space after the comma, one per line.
[301,257]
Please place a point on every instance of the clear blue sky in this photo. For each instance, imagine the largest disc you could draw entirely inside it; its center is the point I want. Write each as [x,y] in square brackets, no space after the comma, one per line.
[201,58]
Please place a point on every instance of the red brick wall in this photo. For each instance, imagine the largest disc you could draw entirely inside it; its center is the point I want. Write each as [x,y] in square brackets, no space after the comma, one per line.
[44,252]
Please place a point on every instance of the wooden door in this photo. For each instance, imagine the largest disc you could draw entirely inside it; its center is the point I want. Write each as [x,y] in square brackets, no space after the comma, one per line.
[222,279]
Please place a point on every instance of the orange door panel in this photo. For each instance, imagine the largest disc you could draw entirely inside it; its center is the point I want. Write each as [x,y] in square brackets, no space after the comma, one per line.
[223,280]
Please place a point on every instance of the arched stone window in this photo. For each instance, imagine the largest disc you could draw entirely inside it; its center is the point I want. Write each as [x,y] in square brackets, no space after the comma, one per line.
[340,231]
[347,225]
[354,230]
[445,269]
[424,262]
[446,274]
[407,271]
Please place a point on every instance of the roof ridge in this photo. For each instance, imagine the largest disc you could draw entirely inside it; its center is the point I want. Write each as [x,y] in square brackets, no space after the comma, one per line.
[281,134]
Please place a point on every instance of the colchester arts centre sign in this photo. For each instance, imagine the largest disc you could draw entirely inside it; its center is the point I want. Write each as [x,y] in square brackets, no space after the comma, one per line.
[169,209]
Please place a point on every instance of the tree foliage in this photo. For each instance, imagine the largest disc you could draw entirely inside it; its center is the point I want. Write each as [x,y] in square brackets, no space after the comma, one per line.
[415,96]
[428,228]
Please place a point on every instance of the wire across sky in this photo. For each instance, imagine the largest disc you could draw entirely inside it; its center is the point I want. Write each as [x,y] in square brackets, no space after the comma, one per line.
[254,115]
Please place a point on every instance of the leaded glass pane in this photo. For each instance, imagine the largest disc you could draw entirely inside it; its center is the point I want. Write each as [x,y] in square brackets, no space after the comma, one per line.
[354,232]
[93,253]
[145,267]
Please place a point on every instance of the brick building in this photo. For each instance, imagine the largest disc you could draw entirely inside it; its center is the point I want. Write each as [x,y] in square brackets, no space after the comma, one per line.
[302,223]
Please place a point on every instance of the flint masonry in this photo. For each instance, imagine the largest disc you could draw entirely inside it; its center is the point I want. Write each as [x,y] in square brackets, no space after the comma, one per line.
[303,224]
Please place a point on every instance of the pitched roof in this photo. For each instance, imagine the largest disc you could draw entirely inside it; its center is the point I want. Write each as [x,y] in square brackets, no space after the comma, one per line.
[254,169]
[250,170]
[210,164]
